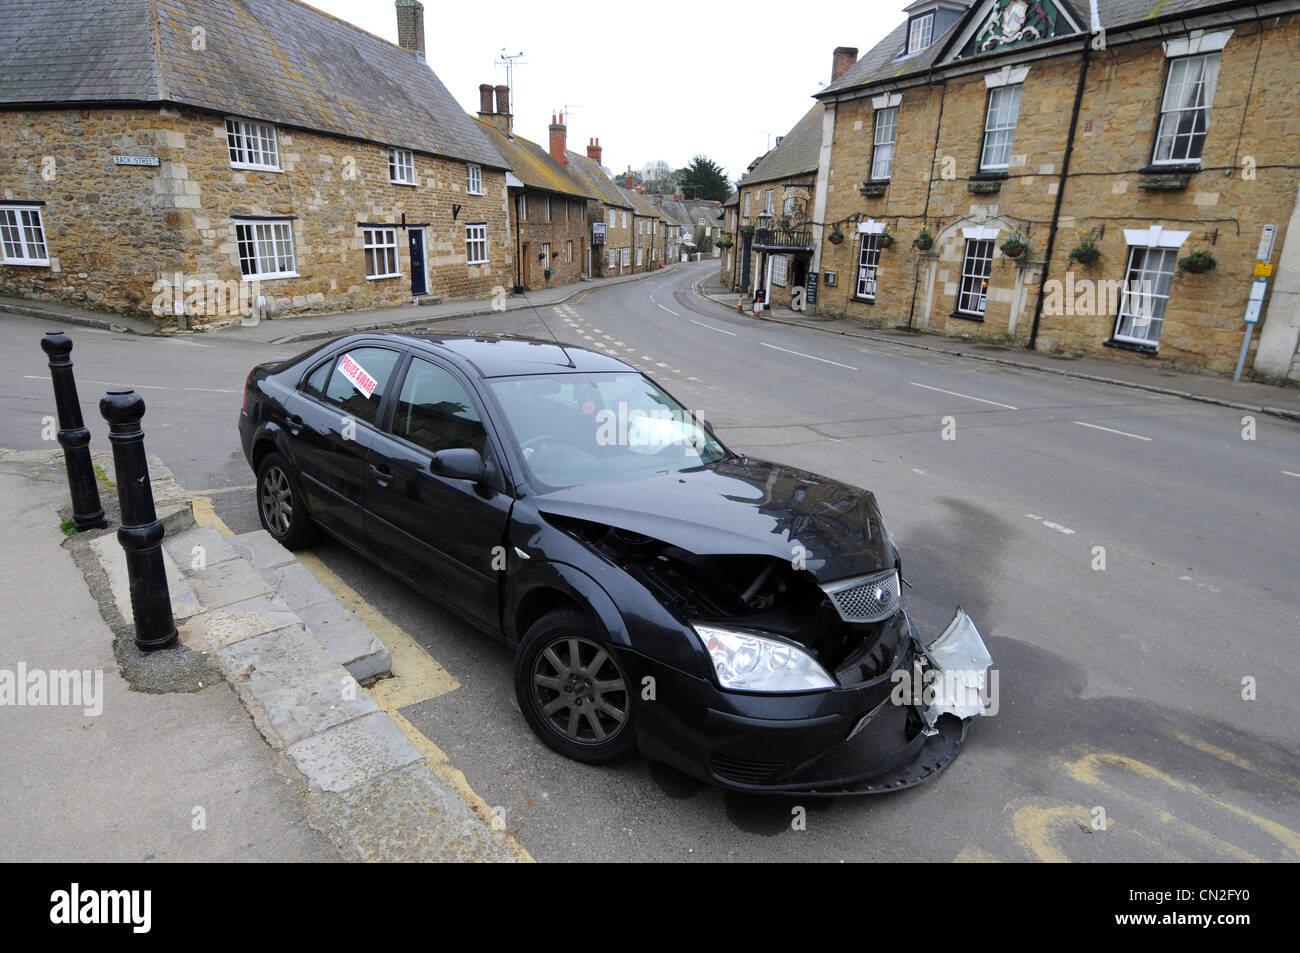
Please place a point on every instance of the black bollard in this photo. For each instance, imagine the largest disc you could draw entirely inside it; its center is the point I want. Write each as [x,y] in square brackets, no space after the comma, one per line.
[73,435]
[140,534]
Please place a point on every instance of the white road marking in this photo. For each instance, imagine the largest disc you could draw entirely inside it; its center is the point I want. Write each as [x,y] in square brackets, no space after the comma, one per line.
[1289,473]
[809,356]
[712,328]
[1050,525]
[669,310]
[32,377]
[1135,436]
[953,393]
[918,470]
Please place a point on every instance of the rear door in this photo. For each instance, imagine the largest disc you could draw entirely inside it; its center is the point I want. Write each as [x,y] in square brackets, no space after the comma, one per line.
[445,535]
[332,420]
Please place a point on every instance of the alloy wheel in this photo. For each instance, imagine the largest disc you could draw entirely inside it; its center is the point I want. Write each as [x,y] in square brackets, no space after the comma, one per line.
[277,501]
[580,690]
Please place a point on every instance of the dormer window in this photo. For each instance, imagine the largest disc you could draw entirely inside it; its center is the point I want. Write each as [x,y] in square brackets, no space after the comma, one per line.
[920,32]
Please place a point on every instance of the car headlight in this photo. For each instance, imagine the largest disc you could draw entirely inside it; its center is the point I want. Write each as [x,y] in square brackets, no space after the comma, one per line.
[747,662]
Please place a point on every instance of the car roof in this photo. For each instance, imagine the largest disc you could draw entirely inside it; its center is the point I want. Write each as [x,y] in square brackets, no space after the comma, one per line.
[507,355]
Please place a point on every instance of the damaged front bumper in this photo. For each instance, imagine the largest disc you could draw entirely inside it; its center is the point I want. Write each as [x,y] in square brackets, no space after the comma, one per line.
[885,734]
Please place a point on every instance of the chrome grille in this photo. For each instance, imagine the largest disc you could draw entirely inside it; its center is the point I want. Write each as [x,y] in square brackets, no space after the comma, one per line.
[866,598]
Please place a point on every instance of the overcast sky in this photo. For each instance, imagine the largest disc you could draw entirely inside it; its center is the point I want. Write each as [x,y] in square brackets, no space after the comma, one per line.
[660,80]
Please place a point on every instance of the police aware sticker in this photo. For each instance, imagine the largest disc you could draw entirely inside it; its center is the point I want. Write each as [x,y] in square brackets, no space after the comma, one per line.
[357,375]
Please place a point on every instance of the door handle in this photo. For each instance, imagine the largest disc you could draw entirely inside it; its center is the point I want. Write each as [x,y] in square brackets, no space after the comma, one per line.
[383,475]
[294,423]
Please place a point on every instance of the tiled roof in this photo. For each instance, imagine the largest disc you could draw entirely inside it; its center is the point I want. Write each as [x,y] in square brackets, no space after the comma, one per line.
[532,164]
[797,153]
[640,204]
[276,60]
[591,175]
[882,62]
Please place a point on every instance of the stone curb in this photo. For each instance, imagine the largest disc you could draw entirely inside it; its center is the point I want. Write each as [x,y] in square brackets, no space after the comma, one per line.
[1022,365]
[369,788]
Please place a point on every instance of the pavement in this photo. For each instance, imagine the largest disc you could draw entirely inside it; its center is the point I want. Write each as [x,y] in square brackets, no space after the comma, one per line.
[252,738]
[1278,401]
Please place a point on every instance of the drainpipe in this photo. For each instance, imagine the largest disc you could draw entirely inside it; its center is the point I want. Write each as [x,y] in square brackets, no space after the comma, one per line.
[1060,194]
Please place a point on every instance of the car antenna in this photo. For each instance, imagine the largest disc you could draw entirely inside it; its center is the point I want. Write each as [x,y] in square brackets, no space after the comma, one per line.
[567,357]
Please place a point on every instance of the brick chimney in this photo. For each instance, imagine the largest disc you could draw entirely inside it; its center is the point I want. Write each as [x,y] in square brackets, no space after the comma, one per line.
[502,118]
[593,150]
[659,200]
[843,58]
[485,99]
[410,26]
[559,139]
[629,180]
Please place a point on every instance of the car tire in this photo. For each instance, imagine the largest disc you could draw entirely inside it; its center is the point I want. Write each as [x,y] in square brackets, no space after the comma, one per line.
[572,691]
[280,504]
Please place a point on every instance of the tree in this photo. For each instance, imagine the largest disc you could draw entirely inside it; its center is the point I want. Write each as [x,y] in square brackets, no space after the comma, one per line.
[658,176]
[704,179]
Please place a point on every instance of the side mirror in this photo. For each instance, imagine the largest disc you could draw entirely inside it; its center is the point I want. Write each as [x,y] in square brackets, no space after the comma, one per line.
[461,463]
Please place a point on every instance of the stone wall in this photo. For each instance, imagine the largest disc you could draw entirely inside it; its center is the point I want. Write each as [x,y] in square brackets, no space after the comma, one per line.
[1248,178]
[127,227]
[568,223]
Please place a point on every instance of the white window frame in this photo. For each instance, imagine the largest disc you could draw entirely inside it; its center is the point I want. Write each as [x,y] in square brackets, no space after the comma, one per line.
[768,196]
[868,267]
[523,207]
[17,224]
[626,258]
[401,166]
[546,255]
[269,239]
[747,198]
[976,266]
[640,255]
[613,260]
[780,267]
[1145,294]
[882,149]
[625,218]
[569,252]
[473,179]
[1000,118]
[920,33]
[546,208]
[381,240]
[476,236]
[613,218]
[249,143]
[1170,127]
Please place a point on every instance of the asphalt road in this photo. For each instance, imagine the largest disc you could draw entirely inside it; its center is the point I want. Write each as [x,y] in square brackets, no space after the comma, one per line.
[1120,688]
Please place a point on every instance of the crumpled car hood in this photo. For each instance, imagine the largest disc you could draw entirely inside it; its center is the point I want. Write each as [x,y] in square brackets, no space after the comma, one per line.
[742,506]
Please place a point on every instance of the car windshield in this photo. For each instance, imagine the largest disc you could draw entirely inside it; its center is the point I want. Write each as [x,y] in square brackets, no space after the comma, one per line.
[599,428]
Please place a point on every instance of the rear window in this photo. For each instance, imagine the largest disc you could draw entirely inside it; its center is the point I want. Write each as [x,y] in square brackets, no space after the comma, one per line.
[343,382]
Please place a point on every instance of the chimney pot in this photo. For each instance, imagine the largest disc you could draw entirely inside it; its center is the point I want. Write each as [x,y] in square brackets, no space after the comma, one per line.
[842,59]
[485,99]
[503,100]
[593,150]
[410,26]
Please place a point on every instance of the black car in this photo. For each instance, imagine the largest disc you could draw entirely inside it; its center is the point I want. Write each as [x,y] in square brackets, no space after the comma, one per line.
[736,618]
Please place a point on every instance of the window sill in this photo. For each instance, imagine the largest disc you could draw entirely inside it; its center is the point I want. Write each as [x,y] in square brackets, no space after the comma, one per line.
[396,274]
[485,261]
[245,167]
[991,174]
[1131,346]
[1164,168]
[860,300]
[977,318]
[400,182]
[274,277]
[468,192]
[25,263]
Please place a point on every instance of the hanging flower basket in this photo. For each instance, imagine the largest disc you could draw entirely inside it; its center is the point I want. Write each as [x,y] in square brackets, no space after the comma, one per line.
[925,240]
[1086,252]
[549,272]
[886,239]
[836,236]
[1014,246]
[1198,263]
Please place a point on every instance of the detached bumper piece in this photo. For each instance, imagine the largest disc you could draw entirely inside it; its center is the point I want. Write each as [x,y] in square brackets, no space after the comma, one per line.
[894,746]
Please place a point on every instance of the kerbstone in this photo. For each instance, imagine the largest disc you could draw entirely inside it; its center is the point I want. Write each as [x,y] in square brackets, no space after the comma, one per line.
[298,684]
[349,755]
